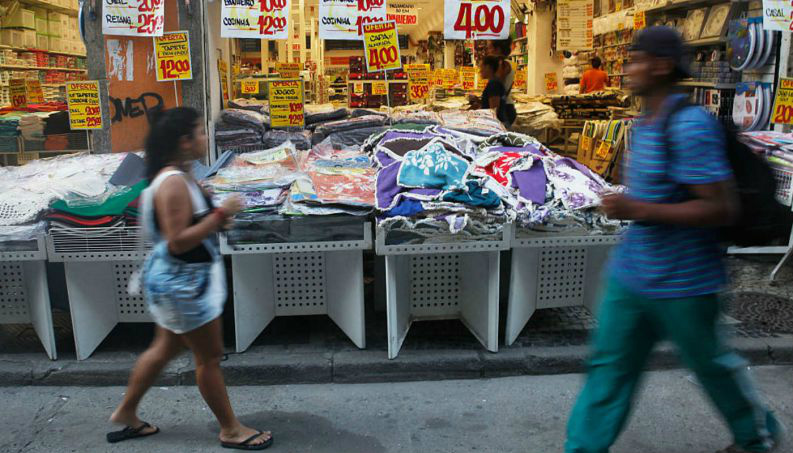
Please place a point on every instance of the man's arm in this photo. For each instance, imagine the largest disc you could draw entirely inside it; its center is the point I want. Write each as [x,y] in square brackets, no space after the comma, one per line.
[714,205]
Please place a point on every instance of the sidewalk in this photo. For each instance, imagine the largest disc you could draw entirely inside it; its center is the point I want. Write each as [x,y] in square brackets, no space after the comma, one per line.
[312,349]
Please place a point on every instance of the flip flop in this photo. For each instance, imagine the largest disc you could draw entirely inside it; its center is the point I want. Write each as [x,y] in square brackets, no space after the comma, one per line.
[245,444]
[130,433]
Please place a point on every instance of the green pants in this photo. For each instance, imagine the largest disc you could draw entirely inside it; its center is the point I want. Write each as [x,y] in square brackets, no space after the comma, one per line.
[629,326]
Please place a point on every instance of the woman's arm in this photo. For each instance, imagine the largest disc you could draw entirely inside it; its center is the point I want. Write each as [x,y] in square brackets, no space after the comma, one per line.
[175,216]
[494,102]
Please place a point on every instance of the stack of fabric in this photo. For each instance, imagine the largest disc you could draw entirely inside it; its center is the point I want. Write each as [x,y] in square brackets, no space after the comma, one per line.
[9,131]
[334,181]
[535,117]
[323,113]
[31,126]
[249,104]
[350,131]
[238,127]
[277,137]
[116,207]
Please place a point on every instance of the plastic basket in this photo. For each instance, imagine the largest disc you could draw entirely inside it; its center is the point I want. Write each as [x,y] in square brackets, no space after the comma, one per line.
[784,183]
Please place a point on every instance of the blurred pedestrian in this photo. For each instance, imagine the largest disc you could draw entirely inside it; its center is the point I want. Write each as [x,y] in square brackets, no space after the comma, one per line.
[665,275]
[183,279]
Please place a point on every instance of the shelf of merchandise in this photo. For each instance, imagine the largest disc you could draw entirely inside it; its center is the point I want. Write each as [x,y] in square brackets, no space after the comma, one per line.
[698,84]
[706,42]
[33,49]
[684,5]
[50,6]
[40,68]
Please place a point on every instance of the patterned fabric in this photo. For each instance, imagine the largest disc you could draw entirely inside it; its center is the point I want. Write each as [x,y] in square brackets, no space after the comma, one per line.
[664,261]
[432,167]
[348,186]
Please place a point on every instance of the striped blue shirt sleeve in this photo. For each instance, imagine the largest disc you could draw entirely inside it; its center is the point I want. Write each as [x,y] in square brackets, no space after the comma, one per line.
[699,151]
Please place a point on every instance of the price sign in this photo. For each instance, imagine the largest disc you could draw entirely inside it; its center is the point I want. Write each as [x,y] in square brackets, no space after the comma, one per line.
[288,70]
[249,86]
[639,20]
[468,77]
[521,79]
[783,102]
[603,150]
[257,19]
[85,111]
[418,81]
[286,103]
[574,24]
[476,19]
[450,78]
[357,88]
[586,142]
[344,19]
[17,89]
[551,81]
[437,77]
[172,56]
[481,83]
[133,17]
[381,46]
[379,88]
[778,15]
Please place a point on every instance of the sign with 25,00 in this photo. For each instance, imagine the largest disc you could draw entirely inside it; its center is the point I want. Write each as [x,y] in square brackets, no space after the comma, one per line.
[476,19]
[257,19]
[172,52]
[85,111]
[286,103]
[381,46]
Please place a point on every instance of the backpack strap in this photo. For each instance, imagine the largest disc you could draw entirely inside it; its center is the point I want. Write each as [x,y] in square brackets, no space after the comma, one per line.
[678,106]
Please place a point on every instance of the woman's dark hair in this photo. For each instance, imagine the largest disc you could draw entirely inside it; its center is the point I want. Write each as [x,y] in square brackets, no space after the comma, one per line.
[162,143]
[492,61]
[503,46]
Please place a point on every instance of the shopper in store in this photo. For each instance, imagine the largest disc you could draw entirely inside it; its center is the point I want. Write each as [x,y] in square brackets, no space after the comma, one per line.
[494,94]
[183,279]
[665,276]
[502,48]
[594,78]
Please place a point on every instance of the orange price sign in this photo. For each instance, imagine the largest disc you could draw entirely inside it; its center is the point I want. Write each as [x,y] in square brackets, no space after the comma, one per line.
[286,103]
[551,81]
[418,81]
[85,110]
[381,46]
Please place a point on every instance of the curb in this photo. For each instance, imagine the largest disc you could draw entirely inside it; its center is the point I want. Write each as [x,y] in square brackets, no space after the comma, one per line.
[264,367]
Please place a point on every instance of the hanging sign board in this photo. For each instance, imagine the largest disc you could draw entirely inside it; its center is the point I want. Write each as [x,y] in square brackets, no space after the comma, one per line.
[344,19]
[133,17]
[403,13]
[85,110]
[639,20]
[574,24]
[249,86]
[381,46]
[286,103]
[476,19]
[172,54]
[379,88]
[551,81]
[468,77]
[418,81]
[256,19]
[17,89]
[783,102]
[288,70]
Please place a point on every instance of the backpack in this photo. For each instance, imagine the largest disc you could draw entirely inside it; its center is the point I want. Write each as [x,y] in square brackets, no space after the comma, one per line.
[762,219]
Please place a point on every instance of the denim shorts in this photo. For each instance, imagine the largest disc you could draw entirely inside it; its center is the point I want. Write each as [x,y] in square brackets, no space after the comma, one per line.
[183,296]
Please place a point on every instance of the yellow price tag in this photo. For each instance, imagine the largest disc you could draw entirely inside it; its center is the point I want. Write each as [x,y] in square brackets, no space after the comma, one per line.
[288,70]
[586,142]
[639,20]
[172,56]
[468,77]
[379,88]
[85,110]
[17,89]
[381,46]
[35,94]
[286,103]
[357,88]
[603,150]
[249,86]
[783,102]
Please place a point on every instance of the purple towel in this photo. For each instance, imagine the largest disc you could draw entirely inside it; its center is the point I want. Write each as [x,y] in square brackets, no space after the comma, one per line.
[531,183]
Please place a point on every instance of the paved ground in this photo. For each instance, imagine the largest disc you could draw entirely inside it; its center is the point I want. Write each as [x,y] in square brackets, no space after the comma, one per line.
[516,414]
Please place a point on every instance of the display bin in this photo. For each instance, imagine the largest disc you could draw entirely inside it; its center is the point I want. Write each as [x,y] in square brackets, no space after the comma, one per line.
[98,263]
[551,271]
[427,281]
[24,294]
[309,277]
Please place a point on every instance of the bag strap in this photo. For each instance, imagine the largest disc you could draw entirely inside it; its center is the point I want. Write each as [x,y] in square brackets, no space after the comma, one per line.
[678,106]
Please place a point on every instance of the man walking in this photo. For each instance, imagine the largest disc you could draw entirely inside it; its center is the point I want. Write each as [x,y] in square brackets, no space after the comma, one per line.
[665,275]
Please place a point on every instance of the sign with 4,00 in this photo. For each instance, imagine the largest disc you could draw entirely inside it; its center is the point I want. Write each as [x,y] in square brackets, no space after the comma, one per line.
[381,46]
[286,103]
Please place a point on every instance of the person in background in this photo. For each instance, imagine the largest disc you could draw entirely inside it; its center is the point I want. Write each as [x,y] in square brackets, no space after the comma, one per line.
[183,279]
[493,96]
[500,48]
[594,79]
[664,277]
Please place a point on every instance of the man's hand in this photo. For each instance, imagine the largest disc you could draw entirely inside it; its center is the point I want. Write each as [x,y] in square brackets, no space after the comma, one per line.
[621,207]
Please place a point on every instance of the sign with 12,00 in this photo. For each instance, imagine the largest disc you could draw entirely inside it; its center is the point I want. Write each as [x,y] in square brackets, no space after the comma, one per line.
[381,46]
[286,103]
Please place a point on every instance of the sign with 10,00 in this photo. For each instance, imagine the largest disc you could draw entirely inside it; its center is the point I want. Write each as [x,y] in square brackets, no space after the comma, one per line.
[286,103]
[381,46]
[257,19]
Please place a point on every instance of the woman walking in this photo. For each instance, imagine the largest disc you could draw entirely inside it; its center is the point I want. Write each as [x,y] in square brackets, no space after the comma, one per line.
[183,279]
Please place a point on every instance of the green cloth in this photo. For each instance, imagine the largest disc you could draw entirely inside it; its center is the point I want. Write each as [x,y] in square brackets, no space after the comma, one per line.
[629,326]
[113,206]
